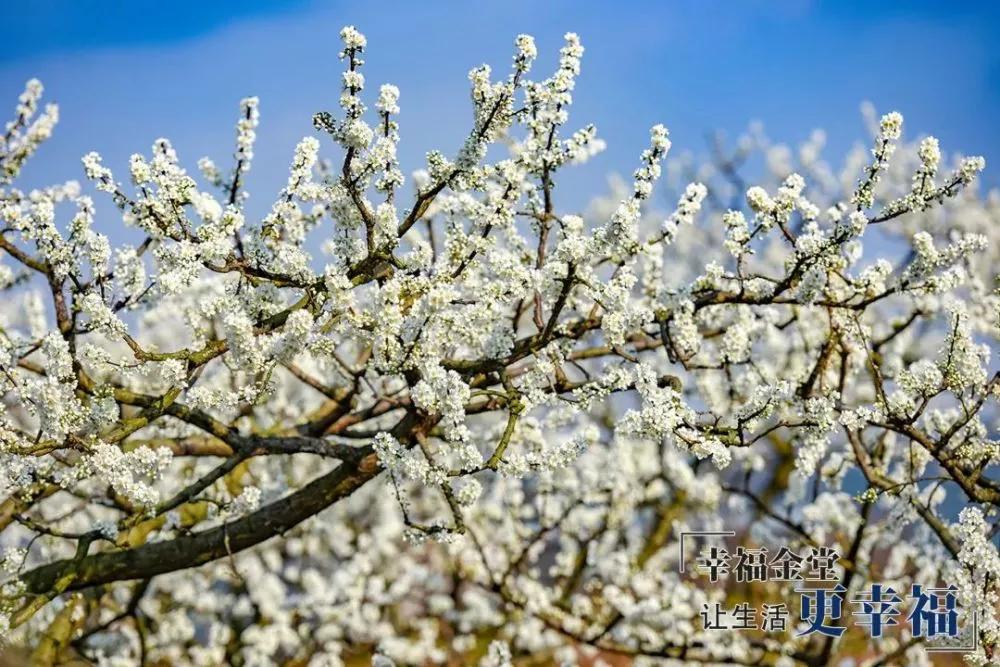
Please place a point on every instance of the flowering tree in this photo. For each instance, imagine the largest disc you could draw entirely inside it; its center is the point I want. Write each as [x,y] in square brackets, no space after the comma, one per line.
[475,427]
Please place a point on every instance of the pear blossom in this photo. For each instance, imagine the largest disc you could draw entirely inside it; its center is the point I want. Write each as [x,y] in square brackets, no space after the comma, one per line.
[456,419]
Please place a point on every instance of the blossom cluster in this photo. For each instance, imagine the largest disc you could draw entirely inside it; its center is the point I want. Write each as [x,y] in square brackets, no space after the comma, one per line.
[444,418]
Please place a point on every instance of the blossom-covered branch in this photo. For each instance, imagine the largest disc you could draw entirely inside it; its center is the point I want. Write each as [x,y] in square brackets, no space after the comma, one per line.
[446,417]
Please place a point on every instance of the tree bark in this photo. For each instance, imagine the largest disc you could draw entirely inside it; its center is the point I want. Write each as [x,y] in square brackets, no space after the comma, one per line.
[181,553]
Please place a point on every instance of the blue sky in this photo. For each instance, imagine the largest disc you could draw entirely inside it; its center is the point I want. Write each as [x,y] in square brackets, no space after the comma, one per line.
[125,73]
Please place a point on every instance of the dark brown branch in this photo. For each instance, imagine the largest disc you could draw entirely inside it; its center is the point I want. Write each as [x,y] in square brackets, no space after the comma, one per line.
[187,551]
